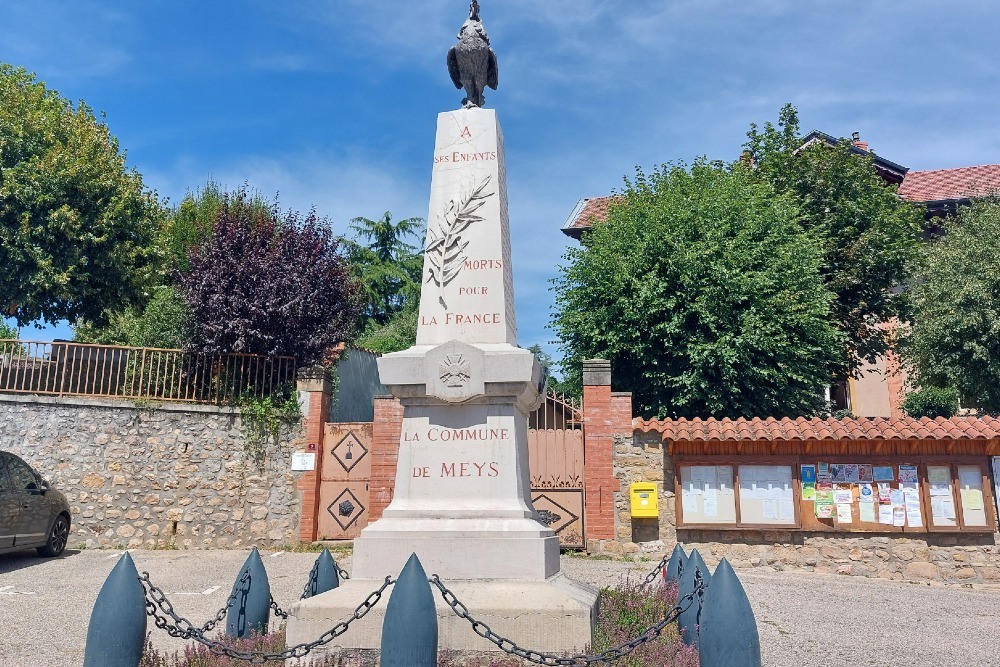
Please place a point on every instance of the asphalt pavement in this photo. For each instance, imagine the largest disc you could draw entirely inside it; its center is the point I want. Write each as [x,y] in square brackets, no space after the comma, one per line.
[802,618]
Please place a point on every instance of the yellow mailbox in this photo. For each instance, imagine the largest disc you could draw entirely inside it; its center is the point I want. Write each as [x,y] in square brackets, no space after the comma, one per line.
[643,500]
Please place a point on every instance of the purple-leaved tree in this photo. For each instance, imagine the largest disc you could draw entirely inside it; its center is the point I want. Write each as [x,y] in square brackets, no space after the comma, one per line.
[267,284]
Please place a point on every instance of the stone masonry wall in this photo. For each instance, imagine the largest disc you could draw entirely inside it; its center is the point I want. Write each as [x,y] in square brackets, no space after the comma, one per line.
[173,475]
[951,557]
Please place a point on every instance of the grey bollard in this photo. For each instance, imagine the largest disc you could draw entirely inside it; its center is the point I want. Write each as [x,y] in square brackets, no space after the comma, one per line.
[678,559]
[410,628]
[117,632]
[687,622]
[323,577]
[250,612]
[728,635]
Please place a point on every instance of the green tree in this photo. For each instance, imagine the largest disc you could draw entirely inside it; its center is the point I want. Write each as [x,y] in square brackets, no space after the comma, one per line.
[705,294]
[189,225]
[164,322]
[399,333]
[387,265]
[77,228]
[868,235]
[955,336]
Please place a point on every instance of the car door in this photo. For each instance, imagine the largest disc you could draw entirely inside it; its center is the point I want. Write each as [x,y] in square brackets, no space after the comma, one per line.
[10,507]
[33,521]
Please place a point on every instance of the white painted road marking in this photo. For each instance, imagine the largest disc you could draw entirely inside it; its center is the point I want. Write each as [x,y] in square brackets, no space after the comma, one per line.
[6,590]
[275,555]
[207,591]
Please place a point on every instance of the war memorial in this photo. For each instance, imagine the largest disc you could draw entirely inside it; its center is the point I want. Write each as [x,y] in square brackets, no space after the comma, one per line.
[462,496]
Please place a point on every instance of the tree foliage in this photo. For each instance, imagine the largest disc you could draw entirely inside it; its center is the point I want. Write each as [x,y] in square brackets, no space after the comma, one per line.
[932,402]
[868,235]
[271,285]
[955,334]
[705,294]
[77,227]
[164,322]
[387,266]
[397,334]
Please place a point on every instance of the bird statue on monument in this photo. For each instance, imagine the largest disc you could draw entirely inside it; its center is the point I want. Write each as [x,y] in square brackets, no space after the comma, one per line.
[472,63]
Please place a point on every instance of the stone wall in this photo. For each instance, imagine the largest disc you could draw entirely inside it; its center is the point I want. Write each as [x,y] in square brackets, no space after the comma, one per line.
[173,475]
[948,557]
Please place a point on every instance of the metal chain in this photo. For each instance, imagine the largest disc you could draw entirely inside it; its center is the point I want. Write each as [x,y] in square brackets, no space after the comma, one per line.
[553,660]
[230,601]
[656,570]
[278,611]
[164,617]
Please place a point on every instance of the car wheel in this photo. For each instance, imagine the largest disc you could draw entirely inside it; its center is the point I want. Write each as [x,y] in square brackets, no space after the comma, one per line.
[58,537]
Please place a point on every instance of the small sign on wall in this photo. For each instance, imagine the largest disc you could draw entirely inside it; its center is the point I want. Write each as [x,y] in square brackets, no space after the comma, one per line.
[303,461]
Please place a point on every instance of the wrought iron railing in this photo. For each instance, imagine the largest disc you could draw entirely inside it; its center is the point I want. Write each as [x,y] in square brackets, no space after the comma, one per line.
[114,371]
[557,411]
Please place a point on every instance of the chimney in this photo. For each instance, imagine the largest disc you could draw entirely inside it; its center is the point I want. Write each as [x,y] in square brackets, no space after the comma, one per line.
[856,141]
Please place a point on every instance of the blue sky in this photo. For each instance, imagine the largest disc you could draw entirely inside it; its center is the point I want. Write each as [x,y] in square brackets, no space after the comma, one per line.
[332,103]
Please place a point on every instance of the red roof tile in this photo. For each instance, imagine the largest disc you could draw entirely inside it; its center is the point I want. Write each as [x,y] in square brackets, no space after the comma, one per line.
[594,210]
[864,428]
[942,184]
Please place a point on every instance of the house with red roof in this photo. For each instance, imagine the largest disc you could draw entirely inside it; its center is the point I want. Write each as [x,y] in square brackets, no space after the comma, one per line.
[879,390]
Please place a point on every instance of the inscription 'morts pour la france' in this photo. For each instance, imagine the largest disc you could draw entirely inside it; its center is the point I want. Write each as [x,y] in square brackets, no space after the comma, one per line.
[467,291]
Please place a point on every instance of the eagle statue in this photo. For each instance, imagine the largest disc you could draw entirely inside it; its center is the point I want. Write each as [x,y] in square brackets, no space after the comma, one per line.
[472,63]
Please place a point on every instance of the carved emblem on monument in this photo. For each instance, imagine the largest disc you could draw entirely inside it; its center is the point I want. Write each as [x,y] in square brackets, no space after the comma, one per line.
[446,246]
[456,371]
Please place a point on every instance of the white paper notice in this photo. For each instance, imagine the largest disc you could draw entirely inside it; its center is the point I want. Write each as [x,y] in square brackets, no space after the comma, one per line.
[302,461]
[948,508]
[885,514]
[786,510]
[898,516]
[844,514]
[770,509]
[843,496]
[711,501]
[689,502]
[912,503]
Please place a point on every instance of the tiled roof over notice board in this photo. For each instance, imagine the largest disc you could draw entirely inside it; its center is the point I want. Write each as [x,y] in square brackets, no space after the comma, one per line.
[866,428]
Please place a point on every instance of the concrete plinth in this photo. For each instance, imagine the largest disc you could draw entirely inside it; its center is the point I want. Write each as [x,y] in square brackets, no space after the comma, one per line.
[554,615]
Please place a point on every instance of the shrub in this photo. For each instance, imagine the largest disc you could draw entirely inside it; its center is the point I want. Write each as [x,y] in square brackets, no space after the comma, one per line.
[627,610]
[932,402]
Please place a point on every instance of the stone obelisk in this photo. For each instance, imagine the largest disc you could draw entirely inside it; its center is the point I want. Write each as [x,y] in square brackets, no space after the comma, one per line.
[462,500]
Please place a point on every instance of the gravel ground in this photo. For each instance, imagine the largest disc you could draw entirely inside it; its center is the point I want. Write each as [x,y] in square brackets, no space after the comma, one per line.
[803,618]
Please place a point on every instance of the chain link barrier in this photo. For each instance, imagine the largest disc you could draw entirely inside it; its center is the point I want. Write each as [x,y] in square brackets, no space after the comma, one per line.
[159,608]
[581,659]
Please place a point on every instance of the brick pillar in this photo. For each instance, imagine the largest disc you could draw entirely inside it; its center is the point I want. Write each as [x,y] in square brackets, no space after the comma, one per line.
[317,388]
[386,430]
[603,416]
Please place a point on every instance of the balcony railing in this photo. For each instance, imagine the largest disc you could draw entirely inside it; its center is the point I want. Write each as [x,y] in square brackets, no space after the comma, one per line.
[113,371]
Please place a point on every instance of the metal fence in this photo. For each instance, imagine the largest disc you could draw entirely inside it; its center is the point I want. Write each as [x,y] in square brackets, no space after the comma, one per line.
[114,371]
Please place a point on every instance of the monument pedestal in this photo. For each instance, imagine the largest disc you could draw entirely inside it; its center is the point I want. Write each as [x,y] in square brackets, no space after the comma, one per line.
[553,615]
[462,500]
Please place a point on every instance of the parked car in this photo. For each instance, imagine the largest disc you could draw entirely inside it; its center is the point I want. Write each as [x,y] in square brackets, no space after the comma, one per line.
[32,514]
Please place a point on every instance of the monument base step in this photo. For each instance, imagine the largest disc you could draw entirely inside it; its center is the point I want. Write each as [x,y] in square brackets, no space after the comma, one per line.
[555,616]
[519,550]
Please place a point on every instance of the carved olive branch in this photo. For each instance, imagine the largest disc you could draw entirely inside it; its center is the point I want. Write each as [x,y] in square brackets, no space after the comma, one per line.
[445,249]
